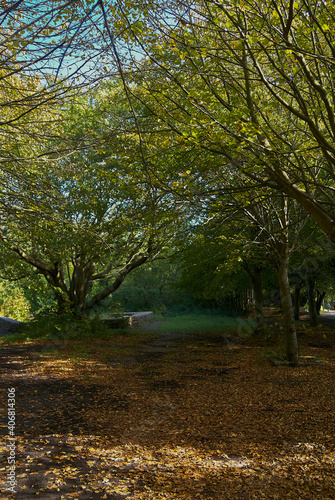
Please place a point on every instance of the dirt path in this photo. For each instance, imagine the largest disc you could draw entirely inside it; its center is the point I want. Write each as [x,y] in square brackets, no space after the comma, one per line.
[328,318]
[47,408]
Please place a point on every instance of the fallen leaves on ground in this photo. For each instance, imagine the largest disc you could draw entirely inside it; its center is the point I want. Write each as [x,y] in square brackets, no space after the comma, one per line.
[199,416]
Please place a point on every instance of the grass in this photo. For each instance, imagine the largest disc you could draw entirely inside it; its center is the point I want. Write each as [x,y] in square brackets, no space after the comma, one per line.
[67,328]
[205,323]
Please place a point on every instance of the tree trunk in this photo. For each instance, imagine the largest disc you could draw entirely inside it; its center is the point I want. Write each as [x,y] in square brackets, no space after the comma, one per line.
[63,303]
[291,341]
[55,278]
[313,317]
[258,294]
[297,300]
[99,297]
[255,274]
[320,297]
[80,284]
[324,218]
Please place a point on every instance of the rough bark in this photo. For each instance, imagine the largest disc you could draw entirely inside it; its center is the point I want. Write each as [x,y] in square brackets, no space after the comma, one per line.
[80,283]
[291,341]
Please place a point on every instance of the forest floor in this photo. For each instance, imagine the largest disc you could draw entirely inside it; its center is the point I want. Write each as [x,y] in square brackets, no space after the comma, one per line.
[151,416]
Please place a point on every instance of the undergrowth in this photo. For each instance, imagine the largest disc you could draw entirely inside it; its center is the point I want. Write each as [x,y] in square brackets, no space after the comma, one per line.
[63,328]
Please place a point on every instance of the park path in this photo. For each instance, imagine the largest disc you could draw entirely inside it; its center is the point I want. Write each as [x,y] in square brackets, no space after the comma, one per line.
[328,318]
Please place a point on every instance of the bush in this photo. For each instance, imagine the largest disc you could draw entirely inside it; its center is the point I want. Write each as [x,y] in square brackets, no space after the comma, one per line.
[16,306]
[65,327]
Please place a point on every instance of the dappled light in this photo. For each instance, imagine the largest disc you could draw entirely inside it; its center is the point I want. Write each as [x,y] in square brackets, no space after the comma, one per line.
[167,264]
[157,415]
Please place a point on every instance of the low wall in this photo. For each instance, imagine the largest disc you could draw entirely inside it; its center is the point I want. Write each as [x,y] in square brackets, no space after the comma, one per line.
[129,320]
[9,325]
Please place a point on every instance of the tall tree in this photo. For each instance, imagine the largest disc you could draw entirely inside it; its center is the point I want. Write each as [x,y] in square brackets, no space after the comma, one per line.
[264,225]
[48,55]
[100,218]
[249,82]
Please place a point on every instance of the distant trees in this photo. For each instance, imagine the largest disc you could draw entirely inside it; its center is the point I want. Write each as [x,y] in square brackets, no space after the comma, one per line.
[312,271]
[263,227]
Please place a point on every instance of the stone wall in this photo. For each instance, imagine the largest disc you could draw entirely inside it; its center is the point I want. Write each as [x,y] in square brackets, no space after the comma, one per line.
[129,320]
[9,325]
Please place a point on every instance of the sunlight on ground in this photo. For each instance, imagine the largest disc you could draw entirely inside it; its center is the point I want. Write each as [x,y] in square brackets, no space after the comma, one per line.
[194,418]
[138,472]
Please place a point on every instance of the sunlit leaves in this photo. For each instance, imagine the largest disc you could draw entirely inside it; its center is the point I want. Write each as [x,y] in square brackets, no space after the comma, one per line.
[247,81]
[102,215]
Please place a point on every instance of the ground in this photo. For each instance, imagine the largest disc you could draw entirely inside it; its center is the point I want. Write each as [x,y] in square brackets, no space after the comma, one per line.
[171,416]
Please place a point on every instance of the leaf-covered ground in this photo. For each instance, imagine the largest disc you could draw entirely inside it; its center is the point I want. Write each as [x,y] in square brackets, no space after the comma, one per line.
[193,416]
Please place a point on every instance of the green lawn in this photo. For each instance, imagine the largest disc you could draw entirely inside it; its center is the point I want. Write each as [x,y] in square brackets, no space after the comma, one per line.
[205,322]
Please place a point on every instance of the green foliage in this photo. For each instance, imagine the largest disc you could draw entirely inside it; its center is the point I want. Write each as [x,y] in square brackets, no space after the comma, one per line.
[212,268]
[154,287]
[216,105]
[247,82]
[63,328]
[14,303]
[95,216]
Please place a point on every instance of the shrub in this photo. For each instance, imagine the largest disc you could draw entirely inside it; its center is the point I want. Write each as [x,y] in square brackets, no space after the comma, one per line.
[16,306]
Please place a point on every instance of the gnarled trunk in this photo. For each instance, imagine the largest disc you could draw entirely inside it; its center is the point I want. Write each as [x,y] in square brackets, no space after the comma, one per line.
[80,284]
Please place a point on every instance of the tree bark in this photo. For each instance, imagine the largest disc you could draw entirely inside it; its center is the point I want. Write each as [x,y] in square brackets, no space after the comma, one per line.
[313,317]
[255,273]
[99,297]
[320,297]
[55,278]
[258,294]
[297,300]
[290,334]
[80,283]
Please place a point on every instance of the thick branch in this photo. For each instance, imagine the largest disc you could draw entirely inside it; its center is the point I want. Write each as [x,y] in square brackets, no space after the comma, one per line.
[38,264]
[117,282]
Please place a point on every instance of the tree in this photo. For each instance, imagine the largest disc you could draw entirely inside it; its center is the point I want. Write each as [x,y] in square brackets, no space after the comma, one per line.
[312,263]
[49,55]
[154,286]
[248,82]
[258,225]
[276,226]
[101,217]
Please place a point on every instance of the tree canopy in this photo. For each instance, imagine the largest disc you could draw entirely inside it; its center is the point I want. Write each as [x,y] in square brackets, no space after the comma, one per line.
[100,217]
[124,126]
[249,82]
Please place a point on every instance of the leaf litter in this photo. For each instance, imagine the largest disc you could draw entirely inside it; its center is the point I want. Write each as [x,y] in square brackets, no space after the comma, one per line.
[199,418]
